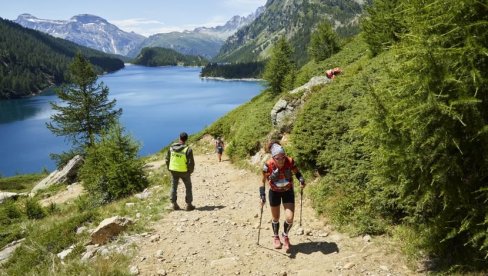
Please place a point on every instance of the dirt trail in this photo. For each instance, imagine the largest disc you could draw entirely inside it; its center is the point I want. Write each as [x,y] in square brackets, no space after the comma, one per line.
[220,236]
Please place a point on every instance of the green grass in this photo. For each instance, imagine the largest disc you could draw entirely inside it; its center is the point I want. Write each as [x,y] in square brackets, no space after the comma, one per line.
[20,183]
[45,237]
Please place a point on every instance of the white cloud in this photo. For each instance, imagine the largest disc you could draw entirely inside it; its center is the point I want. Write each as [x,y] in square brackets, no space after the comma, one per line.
[149,27]
[146,27]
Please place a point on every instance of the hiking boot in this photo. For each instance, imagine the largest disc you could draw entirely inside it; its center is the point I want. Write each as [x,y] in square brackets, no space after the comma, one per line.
[286,244]
[176,206]
[276,242]
[190,207]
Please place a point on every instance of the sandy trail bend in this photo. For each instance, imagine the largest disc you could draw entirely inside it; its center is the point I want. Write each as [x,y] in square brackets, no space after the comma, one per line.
[220,236]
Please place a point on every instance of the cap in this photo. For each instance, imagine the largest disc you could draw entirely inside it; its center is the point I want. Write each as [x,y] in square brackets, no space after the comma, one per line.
[183,136]
[277,149]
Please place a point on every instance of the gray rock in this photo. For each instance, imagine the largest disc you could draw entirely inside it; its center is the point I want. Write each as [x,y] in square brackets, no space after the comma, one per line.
[144,195]
[108,228]
[65,252]
[66,175]
[91,250]
[134,270]
[7,195]
[283,112]
[9,249]
[155,238]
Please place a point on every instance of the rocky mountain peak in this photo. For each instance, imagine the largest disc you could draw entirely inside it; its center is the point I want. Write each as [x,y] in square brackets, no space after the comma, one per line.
[88,18]
[86,30]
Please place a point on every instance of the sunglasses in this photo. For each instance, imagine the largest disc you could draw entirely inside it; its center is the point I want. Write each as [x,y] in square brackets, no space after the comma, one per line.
[278,158]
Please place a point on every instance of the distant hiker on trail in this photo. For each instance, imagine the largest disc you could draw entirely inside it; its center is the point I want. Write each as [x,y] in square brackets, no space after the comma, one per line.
[179,160]
[219,148]
[278,171]
[331,73]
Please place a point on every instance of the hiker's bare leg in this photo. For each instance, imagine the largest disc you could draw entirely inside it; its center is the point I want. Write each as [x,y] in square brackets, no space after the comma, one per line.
[275,213]
[289,211]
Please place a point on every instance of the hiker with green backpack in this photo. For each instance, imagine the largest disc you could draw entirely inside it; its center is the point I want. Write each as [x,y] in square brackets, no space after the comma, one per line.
[278,172]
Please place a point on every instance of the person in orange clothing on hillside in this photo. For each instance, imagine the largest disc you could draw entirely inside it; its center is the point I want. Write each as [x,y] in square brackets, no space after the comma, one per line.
[278,171]
[331,73]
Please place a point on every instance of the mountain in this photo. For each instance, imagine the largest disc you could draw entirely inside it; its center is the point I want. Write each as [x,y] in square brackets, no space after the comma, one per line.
[187,43]
[87,30]
[294,19]
[163,57]
[31,61]
[231,26]
[201,41]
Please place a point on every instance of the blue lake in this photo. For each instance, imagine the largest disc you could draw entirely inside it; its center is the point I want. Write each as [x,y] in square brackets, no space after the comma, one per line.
[157,103]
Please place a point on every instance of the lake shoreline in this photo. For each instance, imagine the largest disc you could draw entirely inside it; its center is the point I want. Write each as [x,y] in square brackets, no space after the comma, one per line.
[233,79]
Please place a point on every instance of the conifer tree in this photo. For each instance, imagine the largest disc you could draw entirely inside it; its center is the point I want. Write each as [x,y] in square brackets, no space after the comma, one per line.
[85,109]
[324,42]
[279,66]
[433,128]
[384,24]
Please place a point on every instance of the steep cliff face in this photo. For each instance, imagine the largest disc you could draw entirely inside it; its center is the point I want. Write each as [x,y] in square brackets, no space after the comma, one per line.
[86,30]
[294,19]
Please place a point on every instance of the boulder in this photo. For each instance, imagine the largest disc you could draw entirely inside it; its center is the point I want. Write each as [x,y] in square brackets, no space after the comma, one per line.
[9,250]
[66,175]
[283,112]
[109,228]
[7,195]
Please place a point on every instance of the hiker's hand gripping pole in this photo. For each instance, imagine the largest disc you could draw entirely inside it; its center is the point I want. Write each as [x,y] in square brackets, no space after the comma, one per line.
[302,185]
[262,196]
[301,205]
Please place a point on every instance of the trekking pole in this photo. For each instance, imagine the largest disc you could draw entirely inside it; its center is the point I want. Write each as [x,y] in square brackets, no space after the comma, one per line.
[301,205]
[260,220]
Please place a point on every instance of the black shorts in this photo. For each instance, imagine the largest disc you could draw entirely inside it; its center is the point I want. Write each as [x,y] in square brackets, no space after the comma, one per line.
[220,150]
[275,198]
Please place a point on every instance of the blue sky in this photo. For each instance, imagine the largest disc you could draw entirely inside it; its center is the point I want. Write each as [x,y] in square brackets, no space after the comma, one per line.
[145,17]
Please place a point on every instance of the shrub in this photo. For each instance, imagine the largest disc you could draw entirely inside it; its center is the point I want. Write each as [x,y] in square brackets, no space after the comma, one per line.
[33,209]
[9,212]
[112,169]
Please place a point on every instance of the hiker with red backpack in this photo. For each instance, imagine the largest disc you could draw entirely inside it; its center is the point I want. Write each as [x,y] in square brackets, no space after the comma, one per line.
[219,148]
[278,172]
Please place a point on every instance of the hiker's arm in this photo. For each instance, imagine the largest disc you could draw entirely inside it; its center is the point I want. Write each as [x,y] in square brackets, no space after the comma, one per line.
[167,158]
[262,186]
[298,174]
[191,161]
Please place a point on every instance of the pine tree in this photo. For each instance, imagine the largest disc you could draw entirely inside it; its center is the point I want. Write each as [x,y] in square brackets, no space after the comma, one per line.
[324,42]
[279,66]
[85,109]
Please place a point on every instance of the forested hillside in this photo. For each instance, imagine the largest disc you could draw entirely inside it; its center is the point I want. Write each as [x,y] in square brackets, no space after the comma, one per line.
[295,19]
[397,143]
[186,43]
[233,70]
[162,57]
[31,61]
